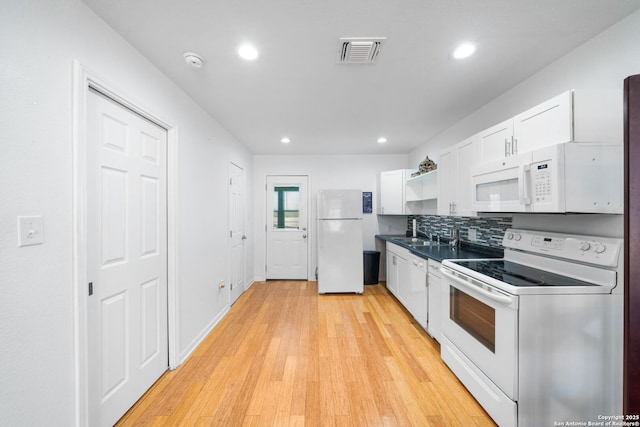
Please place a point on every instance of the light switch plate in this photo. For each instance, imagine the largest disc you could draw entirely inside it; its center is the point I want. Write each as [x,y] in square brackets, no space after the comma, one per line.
[473,236]
[30,230]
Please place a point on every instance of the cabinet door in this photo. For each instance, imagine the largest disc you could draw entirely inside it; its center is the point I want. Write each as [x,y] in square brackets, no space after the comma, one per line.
[392,272]
[403,280]
[466,158]
[392,192]
[495,142]
[447,171]
[548,123]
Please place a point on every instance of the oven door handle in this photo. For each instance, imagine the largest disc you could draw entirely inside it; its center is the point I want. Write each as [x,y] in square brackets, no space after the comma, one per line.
[494,296]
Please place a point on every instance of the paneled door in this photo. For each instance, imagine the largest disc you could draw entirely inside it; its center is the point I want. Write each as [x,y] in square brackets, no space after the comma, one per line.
[286,227]
[236,231]
[126,257]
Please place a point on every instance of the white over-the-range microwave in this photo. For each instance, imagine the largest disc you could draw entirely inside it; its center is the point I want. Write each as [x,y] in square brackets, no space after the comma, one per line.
[562,178]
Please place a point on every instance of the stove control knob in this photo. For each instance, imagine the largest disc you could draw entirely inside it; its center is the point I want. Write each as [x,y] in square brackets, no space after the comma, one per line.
[509,236]
[585,246]
[599,248]
[517,237]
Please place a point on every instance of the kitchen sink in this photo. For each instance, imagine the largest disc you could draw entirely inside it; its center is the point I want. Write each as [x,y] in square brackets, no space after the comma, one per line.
[418,242]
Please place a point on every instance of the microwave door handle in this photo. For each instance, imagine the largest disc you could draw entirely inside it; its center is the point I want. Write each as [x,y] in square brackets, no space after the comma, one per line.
[522,183]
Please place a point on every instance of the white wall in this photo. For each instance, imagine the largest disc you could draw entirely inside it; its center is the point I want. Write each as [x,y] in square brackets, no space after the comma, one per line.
[38,42]
[601,63]
[325,172]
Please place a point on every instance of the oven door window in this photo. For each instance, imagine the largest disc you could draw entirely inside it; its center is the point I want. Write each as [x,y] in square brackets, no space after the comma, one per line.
[475,317]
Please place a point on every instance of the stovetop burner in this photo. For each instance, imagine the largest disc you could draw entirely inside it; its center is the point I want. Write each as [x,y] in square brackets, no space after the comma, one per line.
[519,275]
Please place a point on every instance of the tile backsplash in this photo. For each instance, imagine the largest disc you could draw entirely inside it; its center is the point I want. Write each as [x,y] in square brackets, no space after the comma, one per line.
[489,231]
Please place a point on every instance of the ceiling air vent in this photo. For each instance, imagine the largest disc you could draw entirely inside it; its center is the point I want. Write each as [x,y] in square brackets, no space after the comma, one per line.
[359,50]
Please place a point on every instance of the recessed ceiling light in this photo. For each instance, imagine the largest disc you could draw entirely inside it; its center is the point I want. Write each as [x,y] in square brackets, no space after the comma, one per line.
[464,51]
[285,140]
[382,140]
[248,52]
[193,59]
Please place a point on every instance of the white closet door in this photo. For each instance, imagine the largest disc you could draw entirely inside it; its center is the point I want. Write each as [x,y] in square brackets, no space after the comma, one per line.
[127,257]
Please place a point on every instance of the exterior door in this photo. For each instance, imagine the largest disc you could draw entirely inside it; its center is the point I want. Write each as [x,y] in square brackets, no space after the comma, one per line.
[236,231]
[287,234]
[126,258]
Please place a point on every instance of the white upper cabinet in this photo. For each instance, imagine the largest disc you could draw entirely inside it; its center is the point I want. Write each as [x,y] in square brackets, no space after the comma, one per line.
[546,124]
[467,156]
[392,192]
[572,116]
[454,178]
[495,143]
[402,194]
[422,187]
[447,171]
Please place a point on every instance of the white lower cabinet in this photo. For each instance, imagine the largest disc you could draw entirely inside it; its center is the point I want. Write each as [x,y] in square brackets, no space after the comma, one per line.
[407,281]
[397,270]
[392,271]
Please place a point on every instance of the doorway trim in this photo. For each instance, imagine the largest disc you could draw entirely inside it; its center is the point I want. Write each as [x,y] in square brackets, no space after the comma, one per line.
[83,79]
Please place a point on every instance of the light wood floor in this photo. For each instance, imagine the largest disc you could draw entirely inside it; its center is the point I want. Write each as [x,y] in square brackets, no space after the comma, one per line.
[286,356]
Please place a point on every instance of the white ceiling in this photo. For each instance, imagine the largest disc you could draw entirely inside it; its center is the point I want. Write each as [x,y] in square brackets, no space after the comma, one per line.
[296,88]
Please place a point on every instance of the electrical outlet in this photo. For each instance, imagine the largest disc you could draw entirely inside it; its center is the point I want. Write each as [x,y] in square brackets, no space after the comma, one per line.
[30,230]
[473,236]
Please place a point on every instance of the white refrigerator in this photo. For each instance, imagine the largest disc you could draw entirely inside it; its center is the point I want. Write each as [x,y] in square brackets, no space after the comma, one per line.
[340,255]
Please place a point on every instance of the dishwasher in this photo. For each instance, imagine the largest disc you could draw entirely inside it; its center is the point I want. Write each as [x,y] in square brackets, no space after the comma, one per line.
[418,295]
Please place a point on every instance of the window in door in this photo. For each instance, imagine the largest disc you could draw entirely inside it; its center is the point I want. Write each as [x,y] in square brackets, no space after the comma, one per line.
[286,208]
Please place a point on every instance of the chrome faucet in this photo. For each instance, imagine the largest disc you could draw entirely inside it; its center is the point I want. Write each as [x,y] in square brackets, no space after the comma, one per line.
[455,238]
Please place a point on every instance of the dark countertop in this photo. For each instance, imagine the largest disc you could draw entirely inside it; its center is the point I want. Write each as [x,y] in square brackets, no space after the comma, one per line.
[442,252]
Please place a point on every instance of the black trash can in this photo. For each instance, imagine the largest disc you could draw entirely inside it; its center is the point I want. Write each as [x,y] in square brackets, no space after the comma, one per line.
[371,267]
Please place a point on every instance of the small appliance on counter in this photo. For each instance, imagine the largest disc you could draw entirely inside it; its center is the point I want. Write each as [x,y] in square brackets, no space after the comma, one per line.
[340,259]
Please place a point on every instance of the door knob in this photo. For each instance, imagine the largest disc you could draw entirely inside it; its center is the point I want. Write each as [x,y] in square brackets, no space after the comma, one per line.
[304,236]
[244,237]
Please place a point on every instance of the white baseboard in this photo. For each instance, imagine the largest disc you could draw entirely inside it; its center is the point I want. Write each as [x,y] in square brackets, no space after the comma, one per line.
[196,342]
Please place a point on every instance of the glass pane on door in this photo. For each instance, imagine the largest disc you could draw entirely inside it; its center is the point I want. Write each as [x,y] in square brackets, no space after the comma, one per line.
[286,208]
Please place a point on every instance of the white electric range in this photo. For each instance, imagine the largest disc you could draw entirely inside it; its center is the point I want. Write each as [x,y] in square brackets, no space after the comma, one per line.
[536,337]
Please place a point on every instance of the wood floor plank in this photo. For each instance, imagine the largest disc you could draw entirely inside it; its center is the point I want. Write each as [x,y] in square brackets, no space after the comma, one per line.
[286,356]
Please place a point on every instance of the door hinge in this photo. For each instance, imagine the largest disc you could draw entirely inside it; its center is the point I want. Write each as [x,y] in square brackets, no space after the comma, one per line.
[230,181]
[265,228]
[90,288]
[230,233]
